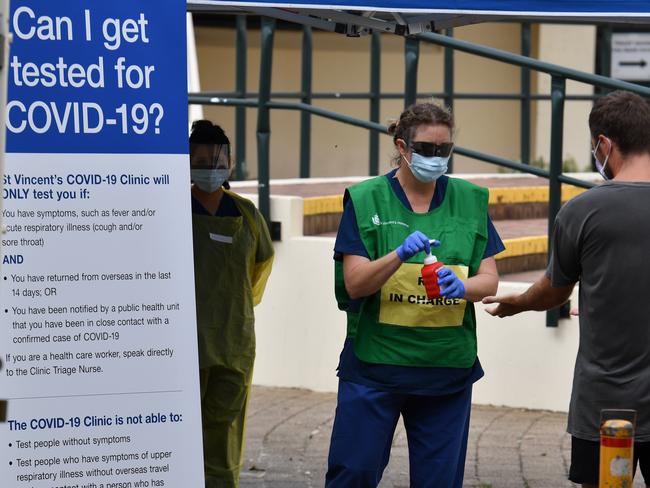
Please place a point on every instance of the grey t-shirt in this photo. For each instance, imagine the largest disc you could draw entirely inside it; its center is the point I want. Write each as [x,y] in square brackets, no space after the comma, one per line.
[602,239]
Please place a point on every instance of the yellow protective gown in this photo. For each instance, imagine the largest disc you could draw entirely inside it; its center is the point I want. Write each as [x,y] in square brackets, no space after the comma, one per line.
[232,262]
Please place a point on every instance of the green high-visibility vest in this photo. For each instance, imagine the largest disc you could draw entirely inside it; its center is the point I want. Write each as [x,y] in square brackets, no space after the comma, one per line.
[399,325]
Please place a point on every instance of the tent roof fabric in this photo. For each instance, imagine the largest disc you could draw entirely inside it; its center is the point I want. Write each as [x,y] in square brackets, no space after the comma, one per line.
[414,16]
[546,8]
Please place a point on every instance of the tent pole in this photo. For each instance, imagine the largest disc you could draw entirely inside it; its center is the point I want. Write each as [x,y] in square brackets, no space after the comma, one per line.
[375,99]
[240,112]
[558,93]
[605,49]
[411,55]
[5,37]
[4,71]
[263,118]
[449,86]
[306,90]
[525,98]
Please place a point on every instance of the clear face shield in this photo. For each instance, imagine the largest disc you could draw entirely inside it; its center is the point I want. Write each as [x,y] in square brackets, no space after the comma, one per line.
[210,156]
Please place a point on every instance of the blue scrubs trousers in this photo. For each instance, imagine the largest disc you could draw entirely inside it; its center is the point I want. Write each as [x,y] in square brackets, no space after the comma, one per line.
[436,427]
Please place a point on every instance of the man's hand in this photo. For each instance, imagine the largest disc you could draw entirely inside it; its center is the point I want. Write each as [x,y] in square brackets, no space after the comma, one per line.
[540,296]
[507,305]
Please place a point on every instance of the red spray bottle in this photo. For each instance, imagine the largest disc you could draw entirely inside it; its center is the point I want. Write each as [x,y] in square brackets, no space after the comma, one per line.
[430,275]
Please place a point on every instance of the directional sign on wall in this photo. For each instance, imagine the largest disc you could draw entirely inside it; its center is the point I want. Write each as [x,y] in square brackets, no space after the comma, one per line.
[631,56]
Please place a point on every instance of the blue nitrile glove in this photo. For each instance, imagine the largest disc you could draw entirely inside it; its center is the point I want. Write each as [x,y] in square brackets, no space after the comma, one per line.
[412,245]
[450,285]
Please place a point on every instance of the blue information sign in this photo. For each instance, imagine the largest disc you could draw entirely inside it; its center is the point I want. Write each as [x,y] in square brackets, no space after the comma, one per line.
[97,77]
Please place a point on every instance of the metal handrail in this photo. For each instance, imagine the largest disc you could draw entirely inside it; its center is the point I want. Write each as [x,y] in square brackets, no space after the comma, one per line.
[524,62]
[329,114]
[265,100]
[396,95]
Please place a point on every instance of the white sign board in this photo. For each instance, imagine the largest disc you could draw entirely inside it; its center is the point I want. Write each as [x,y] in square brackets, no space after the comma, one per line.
[98,329]
[631,56]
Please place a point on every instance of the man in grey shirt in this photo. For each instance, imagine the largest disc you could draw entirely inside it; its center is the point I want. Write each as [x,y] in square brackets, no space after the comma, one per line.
[602,240]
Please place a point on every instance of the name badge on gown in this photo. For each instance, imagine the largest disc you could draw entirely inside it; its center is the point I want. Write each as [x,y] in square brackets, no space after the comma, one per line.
[221,238]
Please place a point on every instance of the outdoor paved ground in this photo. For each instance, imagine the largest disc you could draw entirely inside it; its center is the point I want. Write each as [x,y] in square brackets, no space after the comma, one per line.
[289,430]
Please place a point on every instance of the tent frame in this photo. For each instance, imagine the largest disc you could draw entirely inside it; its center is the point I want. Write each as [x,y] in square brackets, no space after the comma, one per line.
[264,103]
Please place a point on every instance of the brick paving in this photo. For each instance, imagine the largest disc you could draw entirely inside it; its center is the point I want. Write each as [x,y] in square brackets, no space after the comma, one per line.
[509,229]
[289,430]
[523,276]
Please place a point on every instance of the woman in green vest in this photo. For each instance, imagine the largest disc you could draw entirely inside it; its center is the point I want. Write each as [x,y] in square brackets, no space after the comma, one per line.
[406,354]
[233,254]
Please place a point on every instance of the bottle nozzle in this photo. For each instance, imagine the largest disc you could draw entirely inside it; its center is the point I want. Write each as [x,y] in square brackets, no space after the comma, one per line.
[430,259]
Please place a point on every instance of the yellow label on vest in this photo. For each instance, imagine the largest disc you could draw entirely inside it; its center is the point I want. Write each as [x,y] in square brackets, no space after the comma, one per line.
[404,300]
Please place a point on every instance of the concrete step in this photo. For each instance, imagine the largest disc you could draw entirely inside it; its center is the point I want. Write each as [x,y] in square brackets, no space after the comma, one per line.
[518,205]
[511,197]
[526,242]
[525,251]
[322,213]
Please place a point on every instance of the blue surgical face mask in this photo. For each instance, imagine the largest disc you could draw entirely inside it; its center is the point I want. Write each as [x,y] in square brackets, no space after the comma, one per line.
[209,180]
[427,169]
[601,167]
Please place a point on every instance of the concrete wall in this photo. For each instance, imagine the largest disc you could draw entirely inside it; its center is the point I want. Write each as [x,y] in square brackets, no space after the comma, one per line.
[574,47]
[300,331]
[342,64]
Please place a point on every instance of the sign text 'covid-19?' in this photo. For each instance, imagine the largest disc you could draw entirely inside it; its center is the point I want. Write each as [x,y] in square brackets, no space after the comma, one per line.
[90,73]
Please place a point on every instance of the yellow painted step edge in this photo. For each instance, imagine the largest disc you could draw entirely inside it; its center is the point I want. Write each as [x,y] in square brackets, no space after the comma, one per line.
[522,194]
[529,194]
[523,246]
[323,205]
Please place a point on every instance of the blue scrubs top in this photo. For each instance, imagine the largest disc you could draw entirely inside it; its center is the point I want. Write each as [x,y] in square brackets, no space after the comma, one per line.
[402,379]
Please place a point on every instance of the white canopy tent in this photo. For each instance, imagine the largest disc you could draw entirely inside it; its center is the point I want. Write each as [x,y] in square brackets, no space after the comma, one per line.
[416,20]
[419,20]
[359,17]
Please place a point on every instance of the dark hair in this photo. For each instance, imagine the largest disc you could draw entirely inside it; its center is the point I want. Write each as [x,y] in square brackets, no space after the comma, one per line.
[205,132]
[624,117]
[415,116]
